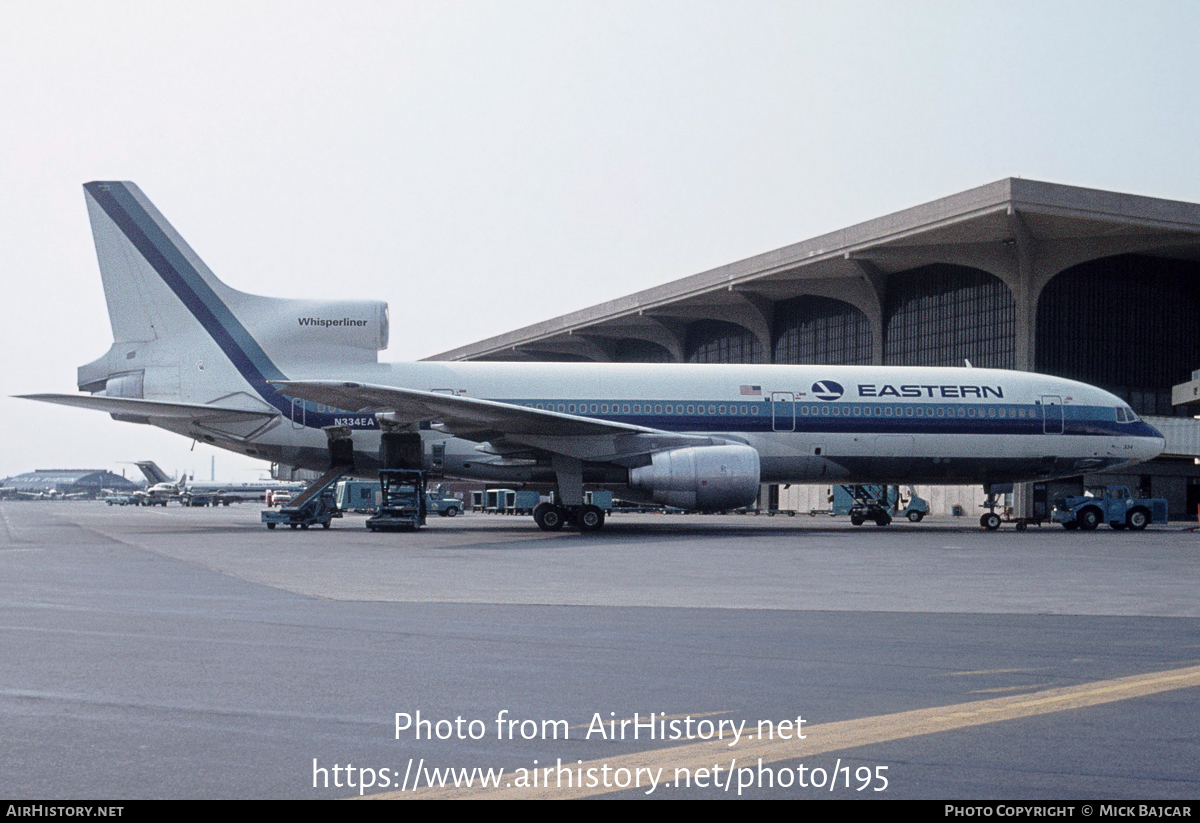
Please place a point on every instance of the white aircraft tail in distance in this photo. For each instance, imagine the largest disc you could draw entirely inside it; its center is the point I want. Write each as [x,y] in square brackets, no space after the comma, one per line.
[298,382]
[160,488]
[153,474]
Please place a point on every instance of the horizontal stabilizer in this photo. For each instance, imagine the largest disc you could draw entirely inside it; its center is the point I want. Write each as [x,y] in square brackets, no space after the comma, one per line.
[135,407]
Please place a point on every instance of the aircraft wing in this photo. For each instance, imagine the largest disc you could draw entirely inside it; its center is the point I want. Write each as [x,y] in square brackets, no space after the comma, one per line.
[466,417]
[490,421]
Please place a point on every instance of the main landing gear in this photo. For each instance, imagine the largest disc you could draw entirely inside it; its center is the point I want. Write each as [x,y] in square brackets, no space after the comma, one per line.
[551,517]
[569,507]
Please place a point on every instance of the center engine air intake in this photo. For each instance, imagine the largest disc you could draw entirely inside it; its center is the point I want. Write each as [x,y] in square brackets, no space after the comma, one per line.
[708,478]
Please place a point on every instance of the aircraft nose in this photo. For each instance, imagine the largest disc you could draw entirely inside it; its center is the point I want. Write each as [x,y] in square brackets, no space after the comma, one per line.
[1152,443]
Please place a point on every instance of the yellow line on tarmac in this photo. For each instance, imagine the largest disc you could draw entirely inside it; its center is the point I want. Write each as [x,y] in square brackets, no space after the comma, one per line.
[820,739]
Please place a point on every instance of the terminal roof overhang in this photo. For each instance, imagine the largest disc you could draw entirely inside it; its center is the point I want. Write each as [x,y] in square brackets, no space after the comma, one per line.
[1014,228]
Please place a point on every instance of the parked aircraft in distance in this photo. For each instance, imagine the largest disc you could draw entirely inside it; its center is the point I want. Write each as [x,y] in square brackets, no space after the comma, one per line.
[298,382]
[51,494]
[192,492]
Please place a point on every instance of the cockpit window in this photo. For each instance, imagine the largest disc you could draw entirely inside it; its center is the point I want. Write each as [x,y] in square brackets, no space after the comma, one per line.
[1126,415]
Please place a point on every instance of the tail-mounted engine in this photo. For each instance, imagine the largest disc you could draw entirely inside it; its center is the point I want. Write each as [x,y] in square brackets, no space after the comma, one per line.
[335,330]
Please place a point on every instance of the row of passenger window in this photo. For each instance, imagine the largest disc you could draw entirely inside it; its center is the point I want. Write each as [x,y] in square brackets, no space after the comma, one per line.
[645,408]
[992,412]
[823,410]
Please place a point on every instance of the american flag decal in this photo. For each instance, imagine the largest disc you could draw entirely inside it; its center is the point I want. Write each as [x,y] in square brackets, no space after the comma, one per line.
[751,390]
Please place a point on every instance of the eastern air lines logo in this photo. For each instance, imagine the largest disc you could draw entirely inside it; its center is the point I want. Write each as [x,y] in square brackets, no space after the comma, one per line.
[827,390]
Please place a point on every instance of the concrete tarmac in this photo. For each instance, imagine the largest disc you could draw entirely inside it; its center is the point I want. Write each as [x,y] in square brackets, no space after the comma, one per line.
[191,653]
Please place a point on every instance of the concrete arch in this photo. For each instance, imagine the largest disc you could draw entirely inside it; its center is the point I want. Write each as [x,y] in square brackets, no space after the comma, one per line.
[666,333]
[942,314]
[839,317]
[1129,323]
[860,287]
[705,332]
[750,311]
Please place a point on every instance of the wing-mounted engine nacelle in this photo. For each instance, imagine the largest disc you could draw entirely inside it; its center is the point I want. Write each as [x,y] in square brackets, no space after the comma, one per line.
[708,478]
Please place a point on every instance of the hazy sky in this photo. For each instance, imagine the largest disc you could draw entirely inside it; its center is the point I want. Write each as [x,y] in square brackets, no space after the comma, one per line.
[486,165]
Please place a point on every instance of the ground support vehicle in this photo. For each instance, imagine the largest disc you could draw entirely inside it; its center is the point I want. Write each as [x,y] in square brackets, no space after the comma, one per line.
[877,503]
[278,497]
[402,501]
[599,498]
[497,501]
[315,505]
[524,502]
[991,521]
[360,496]
[188,499]
[442,504]
[1025,522]
[1114,505]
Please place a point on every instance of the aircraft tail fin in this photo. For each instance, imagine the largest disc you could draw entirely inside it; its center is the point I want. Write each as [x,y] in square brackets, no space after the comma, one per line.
[182,335]
[154,474]
[144,263]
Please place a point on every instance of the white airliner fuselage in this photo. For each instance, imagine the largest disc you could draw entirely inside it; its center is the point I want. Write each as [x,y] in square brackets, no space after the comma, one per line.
[273,377]
[807,423]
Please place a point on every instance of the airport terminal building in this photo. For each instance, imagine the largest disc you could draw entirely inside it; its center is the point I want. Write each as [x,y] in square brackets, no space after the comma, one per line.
[1095,286]
[67,482]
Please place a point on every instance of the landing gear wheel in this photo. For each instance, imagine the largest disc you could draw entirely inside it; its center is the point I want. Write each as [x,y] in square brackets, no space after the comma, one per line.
[1138,519]
[915,517]
[990,521]
[590,519]
[549,517]
[1088,519]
